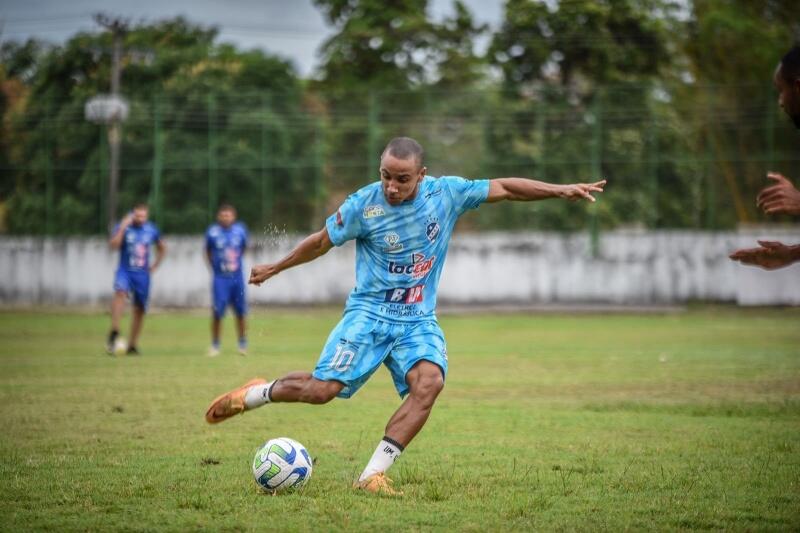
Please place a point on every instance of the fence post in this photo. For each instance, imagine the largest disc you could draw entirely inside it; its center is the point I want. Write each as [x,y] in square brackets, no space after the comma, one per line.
[541,134]
[711,190]
[770,126]
[49,153]
[212,158]
[158,162]
[104,229]
[596,162]
[318,162]
[372,137]
[652,170]
[266,182]
[485,163]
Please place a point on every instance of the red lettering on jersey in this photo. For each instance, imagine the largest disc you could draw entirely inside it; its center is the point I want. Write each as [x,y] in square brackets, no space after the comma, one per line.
[414,295]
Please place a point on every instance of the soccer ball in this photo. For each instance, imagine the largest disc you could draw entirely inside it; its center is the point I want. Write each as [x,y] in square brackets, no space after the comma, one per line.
[281,464]
[120,346]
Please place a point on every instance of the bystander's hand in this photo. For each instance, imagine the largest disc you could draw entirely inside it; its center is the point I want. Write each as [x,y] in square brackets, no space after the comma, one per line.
[781,197]
[770,256]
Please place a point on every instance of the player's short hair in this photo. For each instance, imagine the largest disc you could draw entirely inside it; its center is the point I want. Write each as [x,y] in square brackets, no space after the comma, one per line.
[790,64]
[405,148]
[140,205]
[226,207]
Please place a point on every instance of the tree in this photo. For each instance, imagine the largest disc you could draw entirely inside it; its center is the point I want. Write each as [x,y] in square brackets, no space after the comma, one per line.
[581,44]
[218,112]
[732,49]
[377,71]
[578,79]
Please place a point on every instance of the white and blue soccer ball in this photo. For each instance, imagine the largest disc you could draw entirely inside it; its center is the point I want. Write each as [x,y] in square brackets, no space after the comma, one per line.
[281,464]
[120,346]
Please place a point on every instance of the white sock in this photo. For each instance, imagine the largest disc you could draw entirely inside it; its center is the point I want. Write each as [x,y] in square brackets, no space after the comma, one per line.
[385,455]
[258,395]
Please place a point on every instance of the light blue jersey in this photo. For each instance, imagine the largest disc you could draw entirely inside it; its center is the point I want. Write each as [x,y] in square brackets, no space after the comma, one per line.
[390,315]
[400,250]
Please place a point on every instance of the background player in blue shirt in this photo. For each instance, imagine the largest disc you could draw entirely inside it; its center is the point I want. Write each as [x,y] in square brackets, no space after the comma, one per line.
[402,226]
[133,237]
[226,242]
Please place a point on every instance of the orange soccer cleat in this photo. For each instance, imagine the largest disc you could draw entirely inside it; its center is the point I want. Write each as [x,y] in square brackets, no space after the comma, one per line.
[231,403]
[378,484]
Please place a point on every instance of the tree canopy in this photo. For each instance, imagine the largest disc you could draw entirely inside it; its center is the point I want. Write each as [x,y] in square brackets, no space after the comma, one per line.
[671,101]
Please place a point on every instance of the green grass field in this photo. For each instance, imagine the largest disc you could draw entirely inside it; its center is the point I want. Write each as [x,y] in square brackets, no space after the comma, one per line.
[547,422]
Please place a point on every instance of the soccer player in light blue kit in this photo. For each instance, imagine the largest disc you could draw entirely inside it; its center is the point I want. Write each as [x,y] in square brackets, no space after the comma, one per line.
[402,226]
[226,242]
[133,237]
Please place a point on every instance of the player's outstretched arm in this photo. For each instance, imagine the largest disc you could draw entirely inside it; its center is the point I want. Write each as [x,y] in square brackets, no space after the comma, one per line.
[313,246]
[781,197]
[528,190]
[770,256]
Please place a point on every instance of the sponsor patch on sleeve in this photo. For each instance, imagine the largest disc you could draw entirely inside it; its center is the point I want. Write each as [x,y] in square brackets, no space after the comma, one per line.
[372,211]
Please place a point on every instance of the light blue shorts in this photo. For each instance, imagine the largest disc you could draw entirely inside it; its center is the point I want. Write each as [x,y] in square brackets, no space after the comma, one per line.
[359,344]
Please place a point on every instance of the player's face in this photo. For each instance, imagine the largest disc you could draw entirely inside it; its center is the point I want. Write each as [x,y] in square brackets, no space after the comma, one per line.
[788,96]
[400,178]
[140,216]
[226,217]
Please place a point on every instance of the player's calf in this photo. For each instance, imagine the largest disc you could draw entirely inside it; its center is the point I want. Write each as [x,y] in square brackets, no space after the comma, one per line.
[305,388]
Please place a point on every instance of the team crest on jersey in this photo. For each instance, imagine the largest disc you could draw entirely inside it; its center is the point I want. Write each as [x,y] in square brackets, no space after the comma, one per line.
[372,211]
[419,267]
[432,228]
[393,244]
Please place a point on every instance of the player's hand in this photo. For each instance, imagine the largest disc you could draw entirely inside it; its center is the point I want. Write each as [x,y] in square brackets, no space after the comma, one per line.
[578,191]
[261,273]
[770,256]
[127,220]
[153,268]
[781,197]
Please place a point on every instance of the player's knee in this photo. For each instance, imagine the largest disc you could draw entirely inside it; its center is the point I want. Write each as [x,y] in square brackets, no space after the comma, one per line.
[428,385]
[323,391]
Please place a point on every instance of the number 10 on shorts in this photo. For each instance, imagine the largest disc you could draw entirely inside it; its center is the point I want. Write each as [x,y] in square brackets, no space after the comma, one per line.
[342,358]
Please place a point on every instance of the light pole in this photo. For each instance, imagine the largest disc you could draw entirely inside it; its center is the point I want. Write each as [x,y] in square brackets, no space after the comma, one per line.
[111,110]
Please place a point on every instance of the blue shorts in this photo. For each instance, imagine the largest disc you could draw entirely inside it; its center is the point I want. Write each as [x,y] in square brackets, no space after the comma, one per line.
[134,282]
[228,290]
[359,344]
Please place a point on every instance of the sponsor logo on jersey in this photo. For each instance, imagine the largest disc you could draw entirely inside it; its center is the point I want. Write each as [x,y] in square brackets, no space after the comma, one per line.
[433,193]
[393,244]
[432,229]
[401,311]
[404,295]
[372,211]
[419,267]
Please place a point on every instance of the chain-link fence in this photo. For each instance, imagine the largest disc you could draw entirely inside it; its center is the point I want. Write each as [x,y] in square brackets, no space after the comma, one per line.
[682,157]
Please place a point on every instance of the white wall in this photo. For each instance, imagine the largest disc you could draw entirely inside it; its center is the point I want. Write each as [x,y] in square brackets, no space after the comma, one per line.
[632,267]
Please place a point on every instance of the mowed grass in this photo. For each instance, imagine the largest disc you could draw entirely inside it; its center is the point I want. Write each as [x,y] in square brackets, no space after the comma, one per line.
[547,422]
